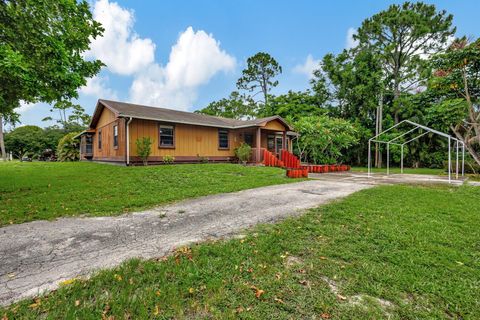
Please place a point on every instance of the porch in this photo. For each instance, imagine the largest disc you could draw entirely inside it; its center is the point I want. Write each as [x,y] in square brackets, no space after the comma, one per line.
[261,139]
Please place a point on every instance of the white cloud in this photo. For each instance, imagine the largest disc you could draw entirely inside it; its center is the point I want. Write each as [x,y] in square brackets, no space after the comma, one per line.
[24,107]
[193,61]
[350,42]
[308,66]
[97,87]
[120,48]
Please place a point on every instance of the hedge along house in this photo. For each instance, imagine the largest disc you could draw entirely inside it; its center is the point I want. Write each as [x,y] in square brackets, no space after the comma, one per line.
[188,137]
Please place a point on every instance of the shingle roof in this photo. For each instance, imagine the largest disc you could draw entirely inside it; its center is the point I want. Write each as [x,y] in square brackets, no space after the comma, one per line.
[123,109]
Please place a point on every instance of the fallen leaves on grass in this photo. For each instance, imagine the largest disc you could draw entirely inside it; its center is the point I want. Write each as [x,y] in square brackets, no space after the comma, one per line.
[156,311]
[68,282]
[279,300]
[303,282]
[258,292]
[77,303]
[340,297]
[325,316]
[36,304]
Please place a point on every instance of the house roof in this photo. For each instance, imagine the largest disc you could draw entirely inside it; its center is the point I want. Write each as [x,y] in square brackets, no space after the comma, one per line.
[127,110]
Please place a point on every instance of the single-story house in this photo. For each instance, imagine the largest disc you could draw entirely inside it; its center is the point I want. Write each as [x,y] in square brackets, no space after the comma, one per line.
[186,136]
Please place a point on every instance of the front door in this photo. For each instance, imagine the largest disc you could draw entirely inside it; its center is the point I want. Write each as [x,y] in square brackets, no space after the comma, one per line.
[278,146]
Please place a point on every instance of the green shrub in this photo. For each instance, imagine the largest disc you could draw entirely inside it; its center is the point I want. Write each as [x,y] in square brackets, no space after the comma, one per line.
[202,159]
[68,148]
[168,159]
[243,152]
[144,146]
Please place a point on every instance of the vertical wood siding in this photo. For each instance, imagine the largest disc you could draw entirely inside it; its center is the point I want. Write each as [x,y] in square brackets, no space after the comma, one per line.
[108,152]
[190,140]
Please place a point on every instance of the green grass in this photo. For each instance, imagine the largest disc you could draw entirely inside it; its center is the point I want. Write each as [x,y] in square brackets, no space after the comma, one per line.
[41,190]
[417,247]
[405,170]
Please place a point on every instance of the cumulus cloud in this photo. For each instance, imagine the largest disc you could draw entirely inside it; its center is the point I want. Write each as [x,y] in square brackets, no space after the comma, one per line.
[24,107]
[98,87]
[193,61]
[120,48]
[350,42]
[307,67]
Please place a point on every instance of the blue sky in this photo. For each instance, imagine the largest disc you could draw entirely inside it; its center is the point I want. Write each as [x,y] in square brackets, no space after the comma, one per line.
[185,54]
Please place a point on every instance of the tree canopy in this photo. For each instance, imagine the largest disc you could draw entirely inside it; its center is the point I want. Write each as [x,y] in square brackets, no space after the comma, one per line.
[259,76]
[41,51]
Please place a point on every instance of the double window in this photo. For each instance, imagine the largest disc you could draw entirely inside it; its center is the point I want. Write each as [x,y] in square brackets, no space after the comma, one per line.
[115,136]
[166,136]
[223,139]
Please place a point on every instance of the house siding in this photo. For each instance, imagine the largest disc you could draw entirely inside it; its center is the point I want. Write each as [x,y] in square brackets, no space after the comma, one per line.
[191,141]
[108,152]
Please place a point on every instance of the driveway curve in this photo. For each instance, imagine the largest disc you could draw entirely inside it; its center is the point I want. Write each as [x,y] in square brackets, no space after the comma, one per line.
[37,256]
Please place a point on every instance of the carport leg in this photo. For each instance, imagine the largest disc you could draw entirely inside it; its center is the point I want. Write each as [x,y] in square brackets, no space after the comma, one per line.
[369,158]
[388,159]
[449,161]
[401,160]
[456,163]
[463,158]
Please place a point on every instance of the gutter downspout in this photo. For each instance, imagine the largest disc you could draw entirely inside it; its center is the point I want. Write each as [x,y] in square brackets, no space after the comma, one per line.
[128,141]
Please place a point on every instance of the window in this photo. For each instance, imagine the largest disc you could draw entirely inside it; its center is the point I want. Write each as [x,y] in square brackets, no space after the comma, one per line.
[115,136]
[167,136]
[222,139]
[248,139]
[271,142]
[99,139]
[88,144]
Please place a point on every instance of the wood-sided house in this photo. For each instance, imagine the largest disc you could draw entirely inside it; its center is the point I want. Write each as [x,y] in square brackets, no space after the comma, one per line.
[187,136]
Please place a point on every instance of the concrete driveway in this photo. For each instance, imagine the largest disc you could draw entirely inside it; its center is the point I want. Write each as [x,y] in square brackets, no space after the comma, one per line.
[37,256]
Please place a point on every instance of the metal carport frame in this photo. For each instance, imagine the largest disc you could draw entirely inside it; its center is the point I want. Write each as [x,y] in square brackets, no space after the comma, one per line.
[427,130]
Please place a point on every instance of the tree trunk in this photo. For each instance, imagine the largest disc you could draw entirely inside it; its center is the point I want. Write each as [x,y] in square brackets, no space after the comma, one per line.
[2,143]
[468,146]
[396,111]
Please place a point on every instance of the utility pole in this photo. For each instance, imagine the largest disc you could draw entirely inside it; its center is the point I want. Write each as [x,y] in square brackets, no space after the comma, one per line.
[378,130]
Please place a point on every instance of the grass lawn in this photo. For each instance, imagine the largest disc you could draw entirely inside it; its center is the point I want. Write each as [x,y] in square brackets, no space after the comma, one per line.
[405,170]
[42,190]
[416,248]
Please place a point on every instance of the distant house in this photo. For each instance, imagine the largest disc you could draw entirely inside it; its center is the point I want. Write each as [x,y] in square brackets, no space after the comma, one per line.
[187,136]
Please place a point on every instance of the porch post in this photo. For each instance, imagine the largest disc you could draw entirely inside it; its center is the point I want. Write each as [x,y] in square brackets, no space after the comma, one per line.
[259,141]
[284,143]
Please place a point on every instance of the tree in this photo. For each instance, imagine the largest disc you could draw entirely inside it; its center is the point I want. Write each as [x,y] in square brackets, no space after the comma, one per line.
[68,147]
[259,75]
[41,51]
[295,105]
[348,84]
[456,84]
[144,148]
[236,106]
[323,139]
[25,140]
[402,37]
[77,116]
